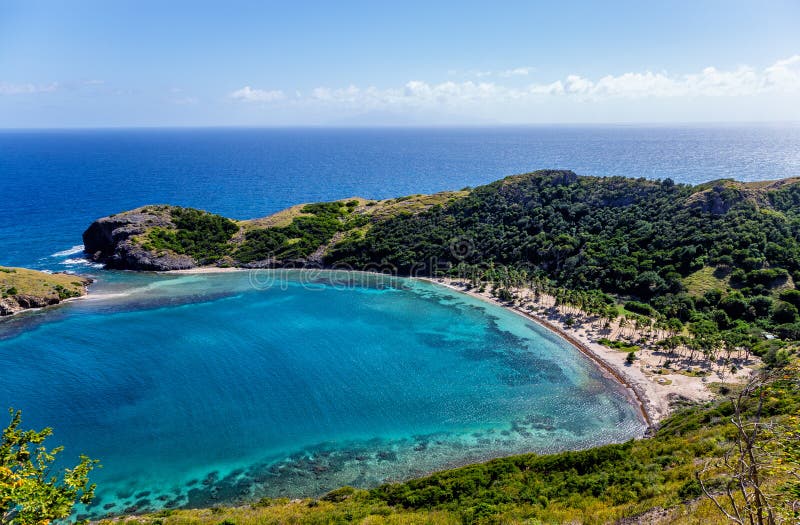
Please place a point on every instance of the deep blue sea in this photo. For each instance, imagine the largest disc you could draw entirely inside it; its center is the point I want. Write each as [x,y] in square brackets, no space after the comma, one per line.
[198,389]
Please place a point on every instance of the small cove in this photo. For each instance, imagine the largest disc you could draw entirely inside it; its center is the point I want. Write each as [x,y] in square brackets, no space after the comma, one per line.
[201,389]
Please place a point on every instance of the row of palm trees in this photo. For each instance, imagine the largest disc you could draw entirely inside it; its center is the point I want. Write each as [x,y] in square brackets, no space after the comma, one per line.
[696,343]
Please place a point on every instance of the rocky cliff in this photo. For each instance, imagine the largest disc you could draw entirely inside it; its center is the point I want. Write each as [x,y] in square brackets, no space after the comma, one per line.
[115,241]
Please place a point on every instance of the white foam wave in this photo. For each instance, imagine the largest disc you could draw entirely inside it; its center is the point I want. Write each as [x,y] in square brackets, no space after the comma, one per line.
[81,262]
[78,248]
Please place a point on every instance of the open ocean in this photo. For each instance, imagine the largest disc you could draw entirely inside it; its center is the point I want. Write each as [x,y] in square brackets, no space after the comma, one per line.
[199,389]
[54,183]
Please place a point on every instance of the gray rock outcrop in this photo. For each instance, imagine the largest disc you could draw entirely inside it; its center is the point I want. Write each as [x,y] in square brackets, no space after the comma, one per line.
[111,241]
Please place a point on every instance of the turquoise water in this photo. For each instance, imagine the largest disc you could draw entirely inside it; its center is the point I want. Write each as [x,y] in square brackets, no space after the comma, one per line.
[200,389]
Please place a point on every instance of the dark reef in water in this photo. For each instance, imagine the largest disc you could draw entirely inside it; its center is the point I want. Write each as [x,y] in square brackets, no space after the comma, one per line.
[316,470]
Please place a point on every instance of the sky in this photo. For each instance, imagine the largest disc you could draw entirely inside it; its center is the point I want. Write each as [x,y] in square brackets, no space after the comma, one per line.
[294,63]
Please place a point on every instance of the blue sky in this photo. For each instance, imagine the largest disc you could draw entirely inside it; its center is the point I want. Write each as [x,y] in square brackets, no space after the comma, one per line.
[143,63]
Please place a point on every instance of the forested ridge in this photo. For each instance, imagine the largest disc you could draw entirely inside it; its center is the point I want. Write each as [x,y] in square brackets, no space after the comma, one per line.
[723,256]
[645,242]
[630,236]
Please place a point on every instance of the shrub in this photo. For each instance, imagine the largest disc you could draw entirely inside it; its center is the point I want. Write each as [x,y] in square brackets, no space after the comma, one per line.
[339,494]
[784,313]
[788,331]
[504,294]
[619,345]
[65,293]
[790,296]
[640,308]
[199,234]
[301,237]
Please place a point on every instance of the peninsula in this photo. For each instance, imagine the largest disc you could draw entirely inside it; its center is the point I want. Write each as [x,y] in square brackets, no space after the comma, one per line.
[23,289]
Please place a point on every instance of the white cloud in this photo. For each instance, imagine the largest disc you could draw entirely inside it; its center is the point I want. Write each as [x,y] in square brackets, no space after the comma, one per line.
[783,76]
[554,88]
[577,84]
[419,93]
[27,89]
[248,94]
[710,82]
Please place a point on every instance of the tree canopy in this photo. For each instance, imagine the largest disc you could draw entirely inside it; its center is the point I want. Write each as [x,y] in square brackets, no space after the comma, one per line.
[29,493]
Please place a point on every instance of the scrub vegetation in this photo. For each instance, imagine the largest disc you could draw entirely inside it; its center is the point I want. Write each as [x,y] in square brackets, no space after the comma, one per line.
[21,281]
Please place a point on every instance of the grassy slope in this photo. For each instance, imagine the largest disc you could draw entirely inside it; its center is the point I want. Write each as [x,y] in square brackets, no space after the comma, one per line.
[705,279]
[369,212]
[39,284]
[376,209]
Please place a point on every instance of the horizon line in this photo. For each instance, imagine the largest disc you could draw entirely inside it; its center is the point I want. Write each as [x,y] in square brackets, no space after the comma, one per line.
[121,127]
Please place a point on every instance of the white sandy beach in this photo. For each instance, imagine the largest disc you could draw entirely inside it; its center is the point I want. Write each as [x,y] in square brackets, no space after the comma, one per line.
[649,385]
[207,269]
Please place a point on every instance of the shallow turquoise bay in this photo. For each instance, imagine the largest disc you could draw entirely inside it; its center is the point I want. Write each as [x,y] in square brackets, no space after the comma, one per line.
[199,389]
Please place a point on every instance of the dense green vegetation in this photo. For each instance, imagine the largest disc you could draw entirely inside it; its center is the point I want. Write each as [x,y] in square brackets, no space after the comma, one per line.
[316,226]
[627,236]
[202,235]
